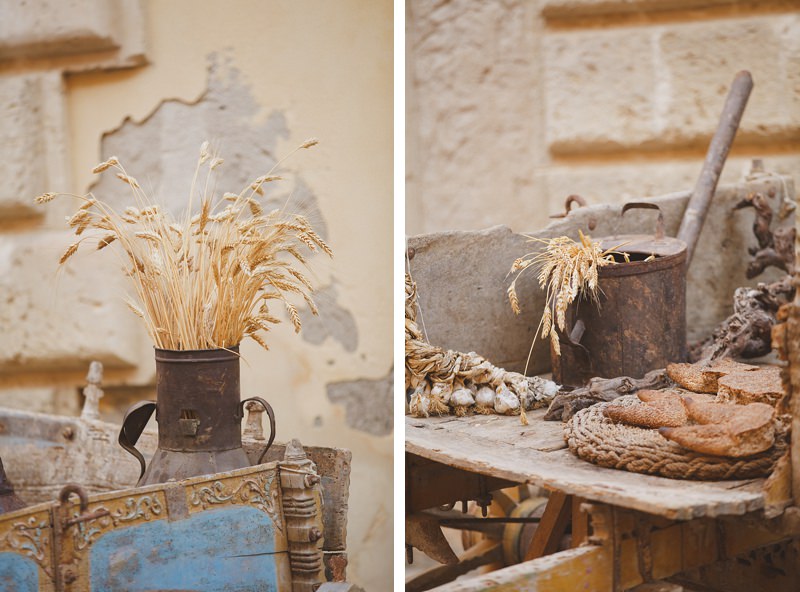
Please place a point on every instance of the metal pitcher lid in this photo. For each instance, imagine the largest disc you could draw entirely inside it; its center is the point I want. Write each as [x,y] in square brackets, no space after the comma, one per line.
[644,244]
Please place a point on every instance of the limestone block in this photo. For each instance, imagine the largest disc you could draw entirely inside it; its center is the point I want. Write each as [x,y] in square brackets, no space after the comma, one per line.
[655,87]
[21,168]
[701,61]
[598,96]
[34,28]
[33,137]
[475,103]
[55,319]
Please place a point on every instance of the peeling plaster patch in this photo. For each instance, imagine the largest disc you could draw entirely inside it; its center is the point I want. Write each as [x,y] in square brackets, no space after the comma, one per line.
[367,403]
[333,321]
[161,151]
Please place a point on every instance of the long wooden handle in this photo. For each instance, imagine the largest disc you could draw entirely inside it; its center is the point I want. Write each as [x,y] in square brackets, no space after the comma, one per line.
[697,209]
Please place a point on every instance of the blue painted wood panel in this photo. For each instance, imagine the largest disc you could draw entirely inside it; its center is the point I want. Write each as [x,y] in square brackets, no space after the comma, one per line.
[18,573]
[229,549]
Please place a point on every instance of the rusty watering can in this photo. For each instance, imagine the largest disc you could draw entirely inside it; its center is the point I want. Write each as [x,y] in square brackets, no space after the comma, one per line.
[199,414]
[639,322]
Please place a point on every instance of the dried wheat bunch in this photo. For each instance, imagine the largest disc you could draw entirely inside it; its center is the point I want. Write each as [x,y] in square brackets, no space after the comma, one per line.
[209,278]
[565,269]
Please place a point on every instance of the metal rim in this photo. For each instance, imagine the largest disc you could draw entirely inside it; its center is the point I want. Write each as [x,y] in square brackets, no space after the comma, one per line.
[638,267]
[197,355]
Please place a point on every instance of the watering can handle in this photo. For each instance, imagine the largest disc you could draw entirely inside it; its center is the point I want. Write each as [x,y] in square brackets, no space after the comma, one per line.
[271,416]
[648,206]
[136,418]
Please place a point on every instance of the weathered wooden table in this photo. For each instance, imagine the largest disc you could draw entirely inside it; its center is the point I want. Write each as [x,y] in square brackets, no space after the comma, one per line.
[626,528]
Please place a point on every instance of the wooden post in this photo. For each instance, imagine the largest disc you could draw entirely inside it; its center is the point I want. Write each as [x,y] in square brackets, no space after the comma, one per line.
[551,527]
[301,508]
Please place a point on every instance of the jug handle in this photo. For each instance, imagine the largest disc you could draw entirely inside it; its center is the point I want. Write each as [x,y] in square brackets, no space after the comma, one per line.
[271,416]
[644,205]
[136,417]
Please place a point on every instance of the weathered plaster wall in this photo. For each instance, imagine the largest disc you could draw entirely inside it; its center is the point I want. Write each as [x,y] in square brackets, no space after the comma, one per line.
[514,105]
[149,81]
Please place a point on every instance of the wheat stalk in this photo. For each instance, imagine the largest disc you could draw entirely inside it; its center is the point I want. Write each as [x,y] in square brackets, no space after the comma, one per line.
[203,280]
[565,270]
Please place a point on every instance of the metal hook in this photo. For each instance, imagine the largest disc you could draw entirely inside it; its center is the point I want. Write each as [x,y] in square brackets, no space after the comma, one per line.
[568,205]
[71,488]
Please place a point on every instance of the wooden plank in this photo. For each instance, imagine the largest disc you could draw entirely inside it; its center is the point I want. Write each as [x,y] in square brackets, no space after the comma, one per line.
[551,527]
[465,445]
[484,553]
[430,484]
[584,568]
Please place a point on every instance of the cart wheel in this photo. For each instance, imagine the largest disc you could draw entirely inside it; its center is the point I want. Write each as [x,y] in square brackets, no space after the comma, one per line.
[504,536]
[515,503]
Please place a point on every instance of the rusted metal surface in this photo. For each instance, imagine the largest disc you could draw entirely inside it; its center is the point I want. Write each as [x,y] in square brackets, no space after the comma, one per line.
[8,498]
[199,413]
[335,566]
[697,209]
[639,322]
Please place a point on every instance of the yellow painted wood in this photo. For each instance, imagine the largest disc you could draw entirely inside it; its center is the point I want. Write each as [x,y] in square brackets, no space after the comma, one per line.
[584,569]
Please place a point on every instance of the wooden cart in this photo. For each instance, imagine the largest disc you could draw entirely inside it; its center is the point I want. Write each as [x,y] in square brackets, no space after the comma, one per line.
[276,526]
[615,529]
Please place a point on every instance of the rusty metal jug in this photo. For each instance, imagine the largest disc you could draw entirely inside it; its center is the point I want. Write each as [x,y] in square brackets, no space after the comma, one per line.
[639,323]
[8,498]
[199,414]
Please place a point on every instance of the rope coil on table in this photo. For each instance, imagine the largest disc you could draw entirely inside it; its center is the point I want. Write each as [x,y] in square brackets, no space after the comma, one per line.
[594,438]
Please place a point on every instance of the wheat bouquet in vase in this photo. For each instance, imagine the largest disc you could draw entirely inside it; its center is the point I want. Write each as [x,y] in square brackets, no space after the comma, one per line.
[223,271]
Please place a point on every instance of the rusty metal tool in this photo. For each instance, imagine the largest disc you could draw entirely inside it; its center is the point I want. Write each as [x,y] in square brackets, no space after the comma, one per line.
[699,202]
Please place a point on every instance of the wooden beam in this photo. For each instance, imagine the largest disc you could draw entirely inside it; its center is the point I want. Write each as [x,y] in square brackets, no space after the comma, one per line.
[484,553]
[430,484]
[584,568]
[675,549]
[551,527]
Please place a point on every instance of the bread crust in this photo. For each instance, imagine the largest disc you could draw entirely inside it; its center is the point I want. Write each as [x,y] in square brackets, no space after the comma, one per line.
[725,430]
[762,386]
[703,378]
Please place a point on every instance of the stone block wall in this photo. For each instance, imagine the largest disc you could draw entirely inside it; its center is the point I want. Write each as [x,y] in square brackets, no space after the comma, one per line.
[54,323]
[149,81]
[514,105]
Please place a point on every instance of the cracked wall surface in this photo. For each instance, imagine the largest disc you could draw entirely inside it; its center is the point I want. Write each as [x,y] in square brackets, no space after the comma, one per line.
[149,81]
[367,403]
[512,106]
